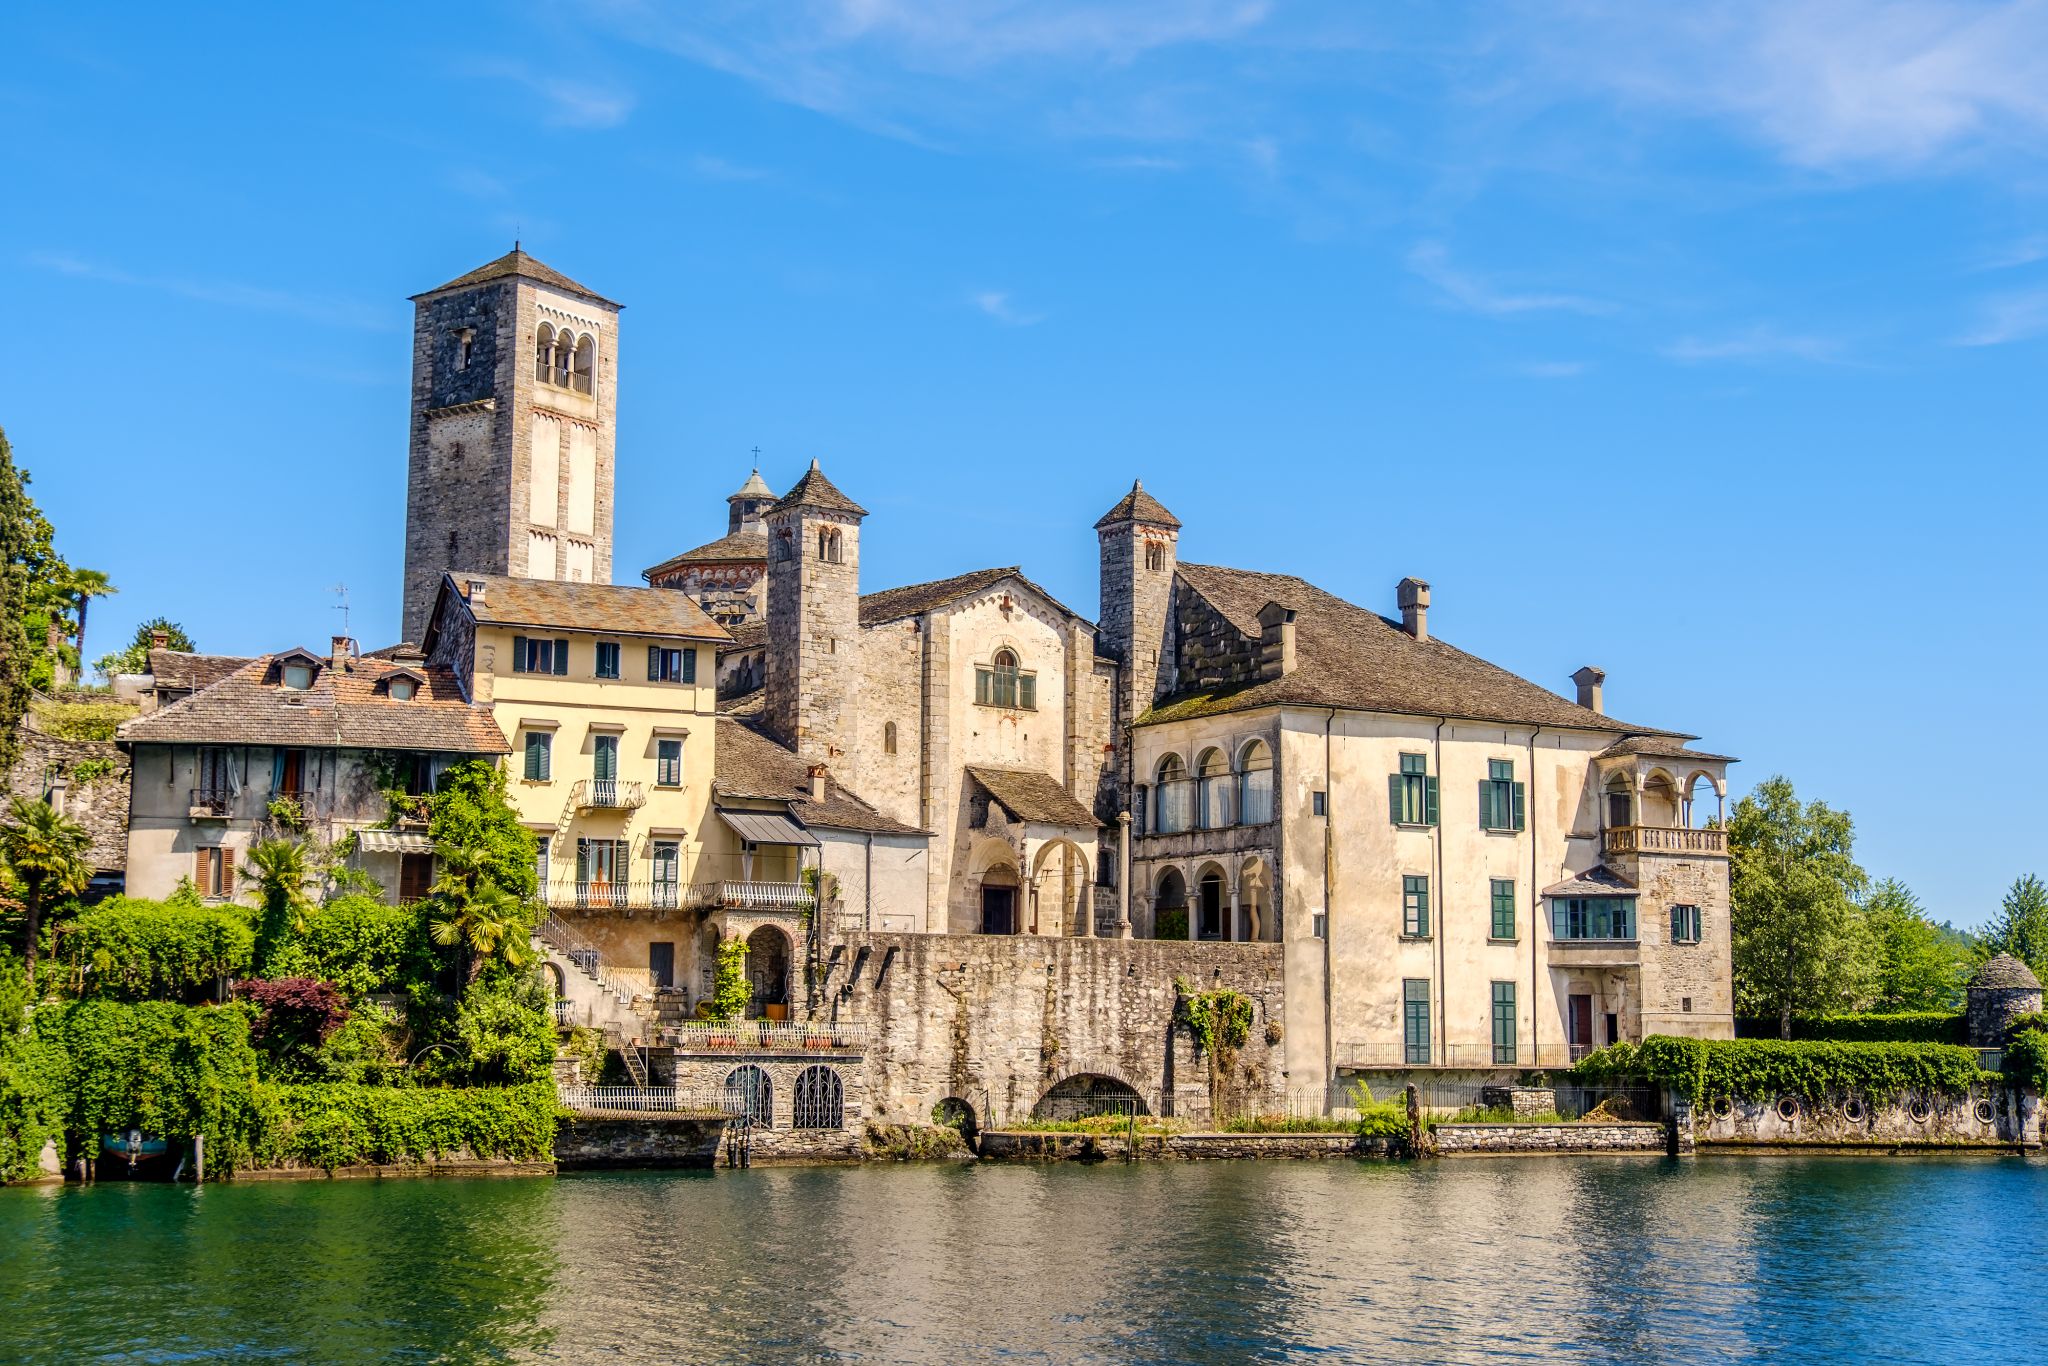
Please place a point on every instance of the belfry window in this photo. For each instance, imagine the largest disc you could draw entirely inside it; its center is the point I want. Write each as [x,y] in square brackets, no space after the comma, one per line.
[1000,683]
[544,353]
[1155,556]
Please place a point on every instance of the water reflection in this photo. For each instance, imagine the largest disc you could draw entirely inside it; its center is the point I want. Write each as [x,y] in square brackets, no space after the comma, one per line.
[1610,1259]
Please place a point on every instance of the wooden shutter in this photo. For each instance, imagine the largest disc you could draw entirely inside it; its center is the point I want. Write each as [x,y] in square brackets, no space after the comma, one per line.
[582,861]
[532,769]
[519,654]
[690,664]
[654,664]
[1516,798]
[202,872]
[1396,789]
[1429,800]
[1486,820]
[227,871]
[561,656]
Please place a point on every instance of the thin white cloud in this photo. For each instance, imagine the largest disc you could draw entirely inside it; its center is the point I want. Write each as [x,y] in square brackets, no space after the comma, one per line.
[1553,369]
[2025,252]
[565,103]
[478,184]
[1758,343]
[718,168]
[2009,318]
[997,304]
[1463,289]
[330,312]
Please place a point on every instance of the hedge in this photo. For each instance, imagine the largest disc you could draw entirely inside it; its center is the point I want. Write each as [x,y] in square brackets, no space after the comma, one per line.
[359,944]
[338,1124]
[1907,1026]
[133,950]
[1763,1069]
[2026,1057]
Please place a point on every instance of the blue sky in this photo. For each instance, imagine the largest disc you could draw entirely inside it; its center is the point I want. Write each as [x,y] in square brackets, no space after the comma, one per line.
[1703,343]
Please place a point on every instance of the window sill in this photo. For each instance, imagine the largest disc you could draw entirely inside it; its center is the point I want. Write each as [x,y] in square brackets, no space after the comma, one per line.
[1499,830]
[998,706]
[1496,939]
[1413,825]
[1416,938]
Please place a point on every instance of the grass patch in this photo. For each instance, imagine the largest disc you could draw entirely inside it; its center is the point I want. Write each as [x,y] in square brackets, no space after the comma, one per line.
[1288,1124]
[81,720]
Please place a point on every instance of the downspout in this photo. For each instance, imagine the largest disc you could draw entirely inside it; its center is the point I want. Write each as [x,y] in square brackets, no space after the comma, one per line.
[868,906]
[1535,933]
[1329,924]
[1436,840]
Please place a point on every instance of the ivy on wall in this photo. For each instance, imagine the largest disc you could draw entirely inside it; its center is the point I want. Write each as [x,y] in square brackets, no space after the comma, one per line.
[1704,1070]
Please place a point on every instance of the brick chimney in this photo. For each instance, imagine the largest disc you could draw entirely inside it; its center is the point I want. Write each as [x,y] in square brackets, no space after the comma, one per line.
[342,651]
[1413,596]
[1589,680]
[159,640]
[1276,640]
[819,773]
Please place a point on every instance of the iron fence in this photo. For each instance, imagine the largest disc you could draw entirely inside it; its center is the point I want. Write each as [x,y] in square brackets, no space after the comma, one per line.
[689,1102]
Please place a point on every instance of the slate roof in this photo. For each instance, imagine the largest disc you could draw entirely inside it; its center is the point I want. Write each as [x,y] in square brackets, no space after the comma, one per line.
[584,607]
[1350,658]
[179,669]
[914,599]
[815,490]
[746,546]
[1030,795]
[517,263]
[1661,747]
[755,487]
[750,764]
[1599,880]
[1138,506]
[2005,972]
[345,710]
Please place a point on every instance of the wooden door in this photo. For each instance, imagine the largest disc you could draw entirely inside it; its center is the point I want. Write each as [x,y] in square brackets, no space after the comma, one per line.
[1581,1024]
[661,964]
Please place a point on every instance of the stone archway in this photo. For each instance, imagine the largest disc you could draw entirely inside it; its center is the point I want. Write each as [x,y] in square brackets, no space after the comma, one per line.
[1085,1095]
[768,959]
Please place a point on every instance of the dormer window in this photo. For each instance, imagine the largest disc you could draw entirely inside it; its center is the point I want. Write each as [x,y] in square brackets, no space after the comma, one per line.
[403,689]
[296,676]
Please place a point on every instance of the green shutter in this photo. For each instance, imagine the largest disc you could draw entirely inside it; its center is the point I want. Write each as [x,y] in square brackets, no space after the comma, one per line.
[654,664]
[532,769]
[1395,787]
[519,654]
[1516,798]
[689,664]
[582,861]
[1486,821]
[1429,800]
[561,656]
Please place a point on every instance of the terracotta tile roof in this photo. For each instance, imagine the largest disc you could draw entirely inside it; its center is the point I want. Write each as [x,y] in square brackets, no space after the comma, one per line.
[1030,795]
[1599,880]
[517,263]
[748,546]
[346,711]
[1138,506]
[585,607]
[815,490]
[1348,657]
[748,635]
[914,599]
[178,669]
[750,764]
[1662,747]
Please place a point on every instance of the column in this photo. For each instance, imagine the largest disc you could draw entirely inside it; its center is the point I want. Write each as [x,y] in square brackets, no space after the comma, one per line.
[1193,894]
[1230,932]
[1123,878]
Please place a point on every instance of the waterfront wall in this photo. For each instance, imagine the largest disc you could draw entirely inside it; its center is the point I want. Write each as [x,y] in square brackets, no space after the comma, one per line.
[997,1022]
[587,1142]
[1025,1145]
[1982,1117]
[1454,1140]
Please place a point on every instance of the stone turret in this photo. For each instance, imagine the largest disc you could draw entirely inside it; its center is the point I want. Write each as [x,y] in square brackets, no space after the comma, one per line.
[813,686]
[1138,541]
[744,509]
[2003,990]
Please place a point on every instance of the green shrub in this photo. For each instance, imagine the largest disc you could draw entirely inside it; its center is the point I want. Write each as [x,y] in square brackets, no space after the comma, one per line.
[731,991]
[507,1037]
[83,720]
[133,950]
[1762,1069]
[31,1080]
[1387,1119]
[367,1050]
[359,944]
[1906,1026]
[334,1125]
[2026,1059]
[1290,1124]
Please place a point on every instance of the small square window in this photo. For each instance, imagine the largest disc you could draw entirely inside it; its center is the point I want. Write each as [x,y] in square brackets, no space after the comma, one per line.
[1321,804]
[1319,925]
[298,677]
[1685,924]
[1685,1004]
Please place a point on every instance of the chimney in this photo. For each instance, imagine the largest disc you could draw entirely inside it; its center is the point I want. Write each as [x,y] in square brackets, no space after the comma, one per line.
[1589,680]
[818,776]
[159,640]
[409,655]
[339,655]
[475,595]
[1276,640]
[1413,595]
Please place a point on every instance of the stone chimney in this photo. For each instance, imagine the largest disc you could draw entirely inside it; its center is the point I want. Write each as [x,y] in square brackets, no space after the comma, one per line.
[1589,680]
[1413,596]
[340,653]
[819,773]
[1276,640]
[159,640]
[475,596]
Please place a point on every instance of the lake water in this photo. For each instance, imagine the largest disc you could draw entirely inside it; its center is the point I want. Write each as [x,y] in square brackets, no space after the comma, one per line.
[1611,1259]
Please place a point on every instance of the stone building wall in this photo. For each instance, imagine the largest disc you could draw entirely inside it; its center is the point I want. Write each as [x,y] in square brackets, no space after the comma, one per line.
[1685,987]
[814,657]
[1137,610]
[1210,652]
[892,690]
[701,1075]
[997,1021]
[49,767]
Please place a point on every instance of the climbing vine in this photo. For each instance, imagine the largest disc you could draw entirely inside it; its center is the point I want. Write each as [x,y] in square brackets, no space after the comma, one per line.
[731,992]
[1756,1069]
[1220,1020]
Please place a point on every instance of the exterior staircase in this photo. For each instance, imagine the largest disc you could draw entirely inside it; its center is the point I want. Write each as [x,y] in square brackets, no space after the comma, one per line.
[591,994]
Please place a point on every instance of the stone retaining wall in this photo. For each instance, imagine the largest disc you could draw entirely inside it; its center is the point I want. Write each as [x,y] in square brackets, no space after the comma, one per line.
[1454,1140]
[588,1142]
[447,1166]
[1027,1145]
[1981,1118]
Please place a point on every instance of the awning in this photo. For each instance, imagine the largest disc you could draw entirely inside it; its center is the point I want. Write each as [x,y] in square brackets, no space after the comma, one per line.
[766,827]
[392,842]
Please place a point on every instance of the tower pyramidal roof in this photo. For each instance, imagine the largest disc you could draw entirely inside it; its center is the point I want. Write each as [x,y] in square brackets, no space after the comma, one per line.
[517,263]
[1138,506]
[755,487]
[816,491]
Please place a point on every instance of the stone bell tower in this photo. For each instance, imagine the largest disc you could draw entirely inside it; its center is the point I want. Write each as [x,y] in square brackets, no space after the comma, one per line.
[514,399]
[813,684]
[1138,541]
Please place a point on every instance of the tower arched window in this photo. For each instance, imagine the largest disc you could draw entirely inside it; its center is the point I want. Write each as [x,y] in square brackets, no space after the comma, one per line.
[585,364]
[888,737]
[831,546]
[544,353]
[1155,556]
[565,348]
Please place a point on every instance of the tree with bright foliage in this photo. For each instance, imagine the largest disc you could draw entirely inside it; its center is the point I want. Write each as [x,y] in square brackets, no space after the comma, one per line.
[1801,944]
[1920,965]
[45,852]
[2021,928]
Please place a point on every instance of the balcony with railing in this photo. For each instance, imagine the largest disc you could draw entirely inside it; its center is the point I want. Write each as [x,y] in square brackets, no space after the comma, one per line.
[1401,1054]
[1664,839]
[766,1036]
[210,803]
[615,896]
[607,794]
[410,810]
[753,896]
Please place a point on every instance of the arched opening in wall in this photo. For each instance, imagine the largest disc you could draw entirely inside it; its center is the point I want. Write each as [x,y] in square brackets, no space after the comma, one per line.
[1063,898]
[1155,556]
[1621,804]
[1255,783]
[1173,797]
[749,1092]
[819,1101]
[955,1113]
[1170,906]
[780,547]
[1000,888]
[706,966]
[1212,902]
[558,985]
[830,546]
[768,955]
[1255,920]
[1702,802]
[584,365]
[1213,771]
[888,737]
[1086,1095]
[544,353]
[565,350]
[1660,800]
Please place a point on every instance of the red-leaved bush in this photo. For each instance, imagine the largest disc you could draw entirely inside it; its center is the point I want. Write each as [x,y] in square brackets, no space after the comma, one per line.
[293,1012]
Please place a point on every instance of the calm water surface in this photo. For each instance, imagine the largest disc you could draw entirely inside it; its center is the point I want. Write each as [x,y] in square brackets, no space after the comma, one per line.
[1812,1259]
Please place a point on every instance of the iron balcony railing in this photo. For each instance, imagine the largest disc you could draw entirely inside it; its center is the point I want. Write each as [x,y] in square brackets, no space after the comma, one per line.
[615,896]
[753,896]
[1662,839]
[211,802]
[1404,1054]
[766,1036]
[607,794]
[702,1102]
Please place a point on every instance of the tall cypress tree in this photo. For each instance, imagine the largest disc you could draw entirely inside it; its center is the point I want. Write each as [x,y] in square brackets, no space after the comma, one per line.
[21,526]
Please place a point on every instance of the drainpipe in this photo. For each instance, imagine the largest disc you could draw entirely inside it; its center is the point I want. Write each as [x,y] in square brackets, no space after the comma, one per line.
[1436,840]
[1329,924]
[868,902]
[1535,987]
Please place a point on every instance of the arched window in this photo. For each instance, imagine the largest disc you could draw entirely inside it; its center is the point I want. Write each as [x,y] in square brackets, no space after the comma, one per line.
[749,1092]
[1255,784]
[781,546]
[1175,797]
[565,348]
[888,737]
[1155,556]
[1170,906]
[1002,684]
[830,546]
[585,364]
[1620,802]
[1216,787]
[544,353]
[820,1101]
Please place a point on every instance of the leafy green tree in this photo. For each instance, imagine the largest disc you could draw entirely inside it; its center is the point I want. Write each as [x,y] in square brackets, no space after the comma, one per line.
[84,585]
[1920,965]
[483,924]
[1802,945]
[284,871]
[484,901]
[22,530]
[2021,928]
[133,658]
[45,852]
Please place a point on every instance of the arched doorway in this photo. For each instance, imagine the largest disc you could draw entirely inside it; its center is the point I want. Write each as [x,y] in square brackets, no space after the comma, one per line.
[1212,903]
[749,1092]
[1086,1095]
[1170,906]
[1062,895]
[1000,890]
[768,969]
[955,1113]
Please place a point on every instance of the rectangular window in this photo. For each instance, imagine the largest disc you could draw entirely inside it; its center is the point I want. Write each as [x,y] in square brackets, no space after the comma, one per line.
[1320,804]
[1415,907]
[1500,797]
[668,763]
[540,864]
[1415,1019]
[540,747]
[1503,1023]
[1593,917]
[668,873]
[1412,793]
[214,872]
[671,666]
[288,772]
[1685,924]
[1503,908]
[607,659]
[1138,811]
[533,655]
[1319,925]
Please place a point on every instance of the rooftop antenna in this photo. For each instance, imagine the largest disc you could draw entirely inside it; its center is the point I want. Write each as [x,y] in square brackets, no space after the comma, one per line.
[340,590]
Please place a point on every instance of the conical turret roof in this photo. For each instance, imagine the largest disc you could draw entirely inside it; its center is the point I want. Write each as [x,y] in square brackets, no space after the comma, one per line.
[1138,506]
[2006,972]
[814,490]
[755,487]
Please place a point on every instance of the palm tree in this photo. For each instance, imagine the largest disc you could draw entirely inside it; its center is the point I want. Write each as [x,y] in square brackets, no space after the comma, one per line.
[46,851]
[485,923]
[84,585]
[282,870]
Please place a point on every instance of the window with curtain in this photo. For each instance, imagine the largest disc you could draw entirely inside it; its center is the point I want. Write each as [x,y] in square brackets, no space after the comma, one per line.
[1255,799]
